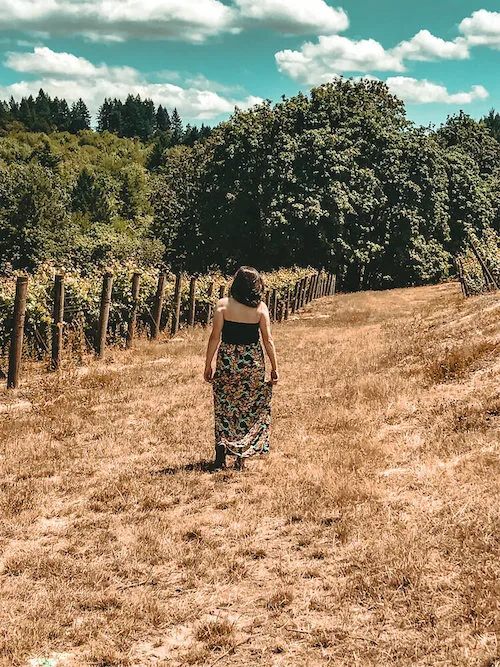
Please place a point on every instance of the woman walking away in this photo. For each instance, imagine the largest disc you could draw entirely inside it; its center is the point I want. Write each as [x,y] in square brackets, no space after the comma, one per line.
[242,397]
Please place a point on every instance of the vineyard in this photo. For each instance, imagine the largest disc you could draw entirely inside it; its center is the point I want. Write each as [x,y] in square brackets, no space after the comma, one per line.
[56,314]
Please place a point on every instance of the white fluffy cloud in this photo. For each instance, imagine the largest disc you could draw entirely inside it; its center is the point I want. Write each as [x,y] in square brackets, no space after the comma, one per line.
[45,61]
[66,75]
[294,16]
[482,29]
[316,63]
[426,46]
[188,20]
[120,19]
[415,91]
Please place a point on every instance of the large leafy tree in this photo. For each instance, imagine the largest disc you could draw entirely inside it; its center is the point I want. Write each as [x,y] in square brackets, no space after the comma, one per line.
[492,122]
[33,215]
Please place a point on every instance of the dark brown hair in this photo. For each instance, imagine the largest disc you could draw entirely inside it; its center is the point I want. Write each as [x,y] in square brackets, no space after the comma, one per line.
[247,286]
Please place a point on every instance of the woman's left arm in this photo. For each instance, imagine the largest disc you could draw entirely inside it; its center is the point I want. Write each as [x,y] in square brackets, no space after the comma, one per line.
[213,341]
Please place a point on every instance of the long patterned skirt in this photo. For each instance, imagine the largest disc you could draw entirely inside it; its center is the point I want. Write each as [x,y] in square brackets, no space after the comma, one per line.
[242,400]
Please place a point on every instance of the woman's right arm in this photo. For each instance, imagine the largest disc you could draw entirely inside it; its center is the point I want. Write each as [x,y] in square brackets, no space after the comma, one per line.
[267,339]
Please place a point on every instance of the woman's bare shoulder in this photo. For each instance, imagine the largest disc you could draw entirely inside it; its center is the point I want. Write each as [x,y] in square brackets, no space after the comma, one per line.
[262,308]
[222,304]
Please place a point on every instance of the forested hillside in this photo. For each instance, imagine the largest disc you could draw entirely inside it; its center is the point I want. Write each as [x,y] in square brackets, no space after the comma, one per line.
[336,178]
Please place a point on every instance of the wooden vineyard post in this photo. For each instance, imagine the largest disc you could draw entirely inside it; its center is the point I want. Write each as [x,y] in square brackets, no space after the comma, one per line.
[16,341]
[107,285]
[295,296]
[465,276]
[222,291]
[334,283]
[133,313]
[312,290]
[299,293]
[158,306]
[460,271]
[57,323]
[268,299]
[281,310]
[328,284]
[176,310]
[209,305]
[303,291]
[274,302]
[308,290]
[315,286]
[488,277]
[287,303]
[192,301]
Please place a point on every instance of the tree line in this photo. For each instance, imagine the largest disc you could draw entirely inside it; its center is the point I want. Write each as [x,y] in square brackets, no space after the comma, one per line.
[133,118]
[337,178]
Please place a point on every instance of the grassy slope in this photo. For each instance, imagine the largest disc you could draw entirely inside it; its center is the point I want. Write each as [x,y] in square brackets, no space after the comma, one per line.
[368,537]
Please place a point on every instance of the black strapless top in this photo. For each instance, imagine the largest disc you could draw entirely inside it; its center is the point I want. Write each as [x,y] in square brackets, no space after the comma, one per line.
[240,333]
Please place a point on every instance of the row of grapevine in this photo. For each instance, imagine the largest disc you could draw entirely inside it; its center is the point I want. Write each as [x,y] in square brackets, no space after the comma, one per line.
[82,314]
[478,268]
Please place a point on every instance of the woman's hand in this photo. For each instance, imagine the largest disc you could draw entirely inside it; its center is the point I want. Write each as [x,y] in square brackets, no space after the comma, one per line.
[274,377]
[208,374]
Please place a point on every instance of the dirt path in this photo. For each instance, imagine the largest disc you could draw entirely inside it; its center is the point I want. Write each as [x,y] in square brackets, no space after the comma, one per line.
[369,536]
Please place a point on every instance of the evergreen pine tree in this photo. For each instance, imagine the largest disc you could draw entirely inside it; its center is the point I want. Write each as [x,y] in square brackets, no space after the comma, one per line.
[149,118]
[5,115]
[163,123]
[131,117]
[79,116]
[103,115]
[205,131]
[42,114]
[191,135]
[13,108]
[61,114]
[27,112]
[116,117]
[177,129]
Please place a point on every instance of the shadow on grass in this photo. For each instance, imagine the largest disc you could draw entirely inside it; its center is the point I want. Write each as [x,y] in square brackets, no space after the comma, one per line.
[197,466]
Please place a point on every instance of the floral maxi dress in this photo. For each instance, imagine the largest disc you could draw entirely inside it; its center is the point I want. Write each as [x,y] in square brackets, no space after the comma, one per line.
[242,400]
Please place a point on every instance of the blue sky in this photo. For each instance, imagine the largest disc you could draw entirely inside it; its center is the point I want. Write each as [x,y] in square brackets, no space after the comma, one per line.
[205,56]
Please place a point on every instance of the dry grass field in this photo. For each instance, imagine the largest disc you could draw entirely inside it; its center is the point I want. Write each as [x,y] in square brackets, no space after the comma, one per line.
[369,535]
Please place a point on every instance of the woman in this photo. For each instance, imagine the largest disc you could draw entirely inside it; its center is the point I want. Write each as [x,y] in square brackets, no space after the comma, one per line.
[242,398]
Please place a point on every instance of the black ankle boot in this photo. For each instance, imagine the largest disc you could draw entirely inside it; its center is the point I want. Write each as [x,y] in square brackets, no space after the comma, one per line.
[220,457]
[239,463]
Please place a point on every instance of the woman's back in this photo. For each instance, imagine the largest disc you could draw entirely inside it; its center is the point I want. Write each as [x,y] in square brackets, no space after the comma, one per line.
[234,311]
[241,323]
